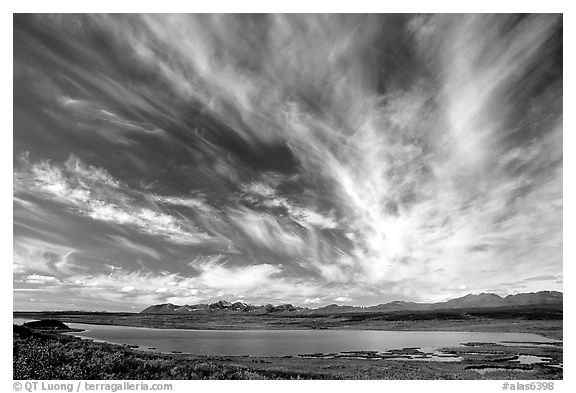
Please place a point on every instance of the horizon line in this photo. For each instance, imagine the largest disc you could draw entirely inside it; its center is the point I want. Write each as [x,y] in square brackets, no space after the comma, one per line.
[310,308]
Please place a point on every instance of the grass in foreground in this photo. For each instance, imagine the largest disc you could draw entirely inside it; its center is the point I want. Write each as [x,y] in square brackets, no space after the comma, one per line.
[41,355]
[52,356]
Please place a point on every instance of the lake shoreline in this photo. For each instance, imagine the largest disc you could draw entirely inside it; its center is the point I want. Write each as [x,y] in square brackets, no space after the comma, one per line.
[549,325]
[479,361]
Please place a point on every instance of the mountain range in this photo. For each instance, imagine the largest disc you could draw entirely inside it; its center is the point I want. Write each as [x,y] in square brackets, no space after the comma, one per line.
[482,300]
[169,308]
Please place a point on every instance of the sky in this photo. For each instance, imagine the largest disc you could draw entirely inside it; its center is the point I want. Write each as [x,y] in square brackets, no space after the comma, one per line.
[304,159]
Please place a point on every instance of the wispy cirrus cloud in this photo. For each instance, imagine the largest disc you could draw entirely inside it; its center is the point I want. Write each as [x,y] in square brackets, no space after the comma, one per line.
[94,193]
[265,195]
[213,280]
[38,279]
[47,258]
[361,157]
[265,230]
[91,117]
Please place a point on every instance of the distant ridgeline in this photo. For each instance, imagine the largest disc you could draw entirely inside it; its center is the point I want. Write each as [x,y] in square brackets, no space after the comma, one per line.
[170,308]
[483,300]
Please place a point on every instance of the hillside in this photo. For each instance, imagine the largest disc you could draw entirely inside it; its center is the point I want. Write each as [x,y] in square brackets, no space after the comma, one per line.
[222,305]
[482,300]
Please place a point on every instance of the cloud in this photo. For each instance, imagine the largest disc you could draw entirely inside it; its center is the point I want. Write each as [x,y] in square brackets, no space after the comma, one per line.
[193,203]
[33,255]
[95,194]
[343,299]
[38,279]
[259,189]
[214,280]
[265,230]
[240,278]
[126,244]
[96,119]
[265,195]
[314,155]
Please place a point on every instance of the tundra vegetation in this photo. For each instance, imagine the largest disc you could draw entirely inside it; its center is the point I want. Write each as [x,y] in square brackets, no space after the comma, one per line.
[48,354]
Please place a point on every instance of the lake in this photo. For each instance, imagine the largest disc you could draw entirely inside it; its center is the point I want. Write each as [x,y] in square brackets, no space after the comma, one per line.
[287,342]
